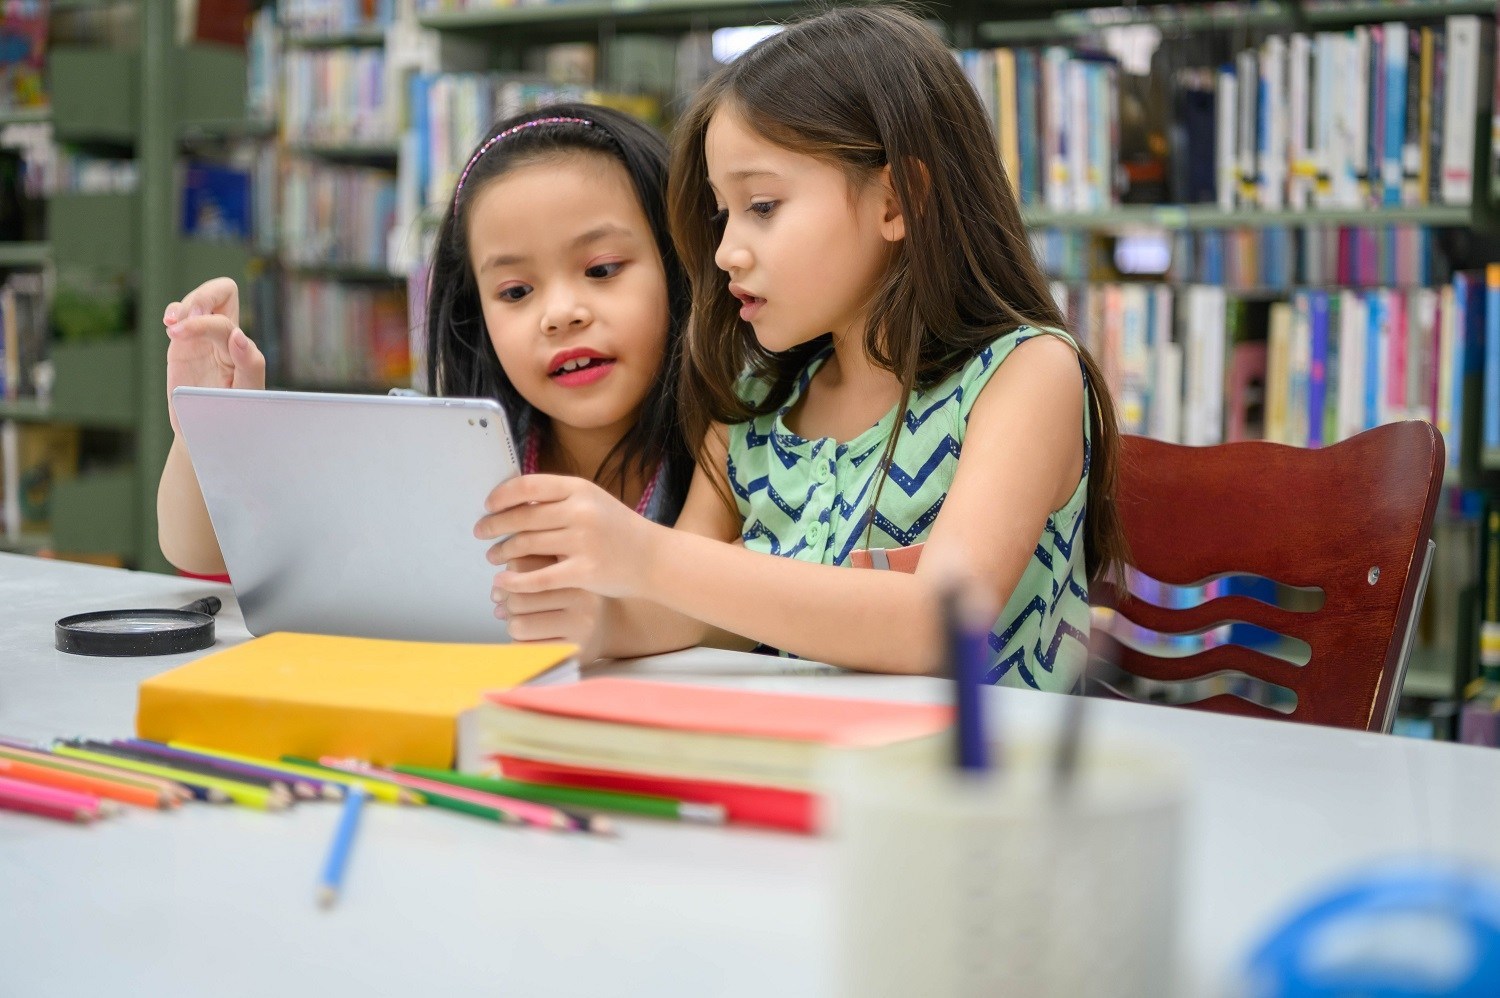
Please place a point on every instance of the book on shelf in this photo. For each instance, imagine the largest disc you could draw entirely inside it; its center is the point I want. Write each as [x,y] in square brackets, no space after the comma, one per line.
[336,214]
[1199,364]
[217,202]
[337,96]
[23,333]
[1377,115]
[23,54]
[315,18]
[222,22]
[342,334]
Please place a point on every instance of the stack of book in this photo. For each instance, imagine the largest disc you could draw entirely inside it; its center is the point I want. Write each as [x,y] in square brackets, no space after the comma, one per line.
[761,756]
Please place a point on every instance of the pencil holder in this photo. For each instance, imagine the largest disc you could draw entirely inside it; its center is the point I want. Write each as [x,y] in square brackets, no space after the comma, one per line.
[1007,884]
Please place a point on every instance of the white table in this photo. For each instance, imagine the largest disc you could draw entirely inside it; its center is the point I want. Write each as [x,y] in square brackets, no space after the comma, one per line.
[220,900]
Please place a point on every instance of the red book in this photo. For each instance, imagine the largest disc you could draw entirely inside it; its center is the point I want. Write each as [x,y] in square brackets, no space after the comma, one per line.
[768,807]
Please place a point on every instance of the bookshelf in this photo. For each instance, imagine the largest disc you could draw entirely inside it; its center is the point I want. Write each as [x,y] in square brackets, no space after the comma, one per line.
[334,287]
[108,388]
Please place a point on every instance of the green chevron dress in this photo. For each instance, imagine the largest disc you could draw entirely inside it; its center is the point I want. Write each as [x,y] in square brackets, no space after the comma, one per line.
[810,499]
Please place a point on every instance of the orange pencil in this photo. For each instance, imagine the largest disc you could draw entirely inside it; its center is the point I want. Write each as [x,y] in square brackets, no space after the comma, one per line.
[176,791]
[96,785]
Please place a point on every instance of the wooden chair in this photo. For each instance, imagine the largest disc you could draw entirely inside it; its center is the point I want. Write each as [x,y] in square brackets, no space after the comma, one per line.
[1352,521]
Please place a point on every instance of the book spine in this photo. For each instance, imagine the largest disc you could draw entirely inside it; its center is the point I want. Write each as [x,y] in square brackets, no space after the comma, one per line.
[1395,49]
[1461,108]
[1491,389]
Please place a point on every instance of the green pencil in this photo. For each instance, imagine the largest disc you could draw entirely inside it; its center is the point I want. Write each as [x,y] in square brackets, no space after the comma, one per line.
[603,800]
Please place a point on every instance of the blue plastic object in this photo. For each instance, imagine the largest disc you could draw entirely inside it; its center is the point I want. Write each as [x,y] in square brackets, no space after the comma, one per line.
[1414,931]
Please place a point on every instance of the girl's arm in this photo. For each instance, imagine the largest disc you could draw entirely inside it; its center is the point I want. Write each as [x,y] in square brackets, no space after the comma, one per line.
[206,347]
[634,627]
[1022,458]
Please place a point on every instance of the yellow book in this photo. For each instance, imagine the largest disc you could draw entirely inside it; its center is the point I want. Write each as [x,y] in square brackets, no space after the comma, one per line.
[311,695]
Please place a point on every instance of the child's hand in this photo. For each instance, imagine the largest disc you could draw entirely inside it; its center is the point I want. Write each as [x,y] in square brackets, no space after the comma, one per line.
[574,616]
[208,351]
[599,544]
[217,296]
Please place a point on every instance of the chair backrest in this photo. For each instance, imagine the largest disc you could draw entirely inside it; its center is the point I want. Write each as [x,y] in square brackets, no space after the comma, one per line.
[1351,521]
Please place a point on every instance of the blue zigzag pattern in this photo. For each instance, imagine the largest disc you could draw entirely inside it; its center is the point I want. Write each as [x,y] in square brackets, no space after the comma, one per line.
[1048,658]
[910,483]
[758,530]
[914,422]
[763,483]
[1064,545]
[912,534]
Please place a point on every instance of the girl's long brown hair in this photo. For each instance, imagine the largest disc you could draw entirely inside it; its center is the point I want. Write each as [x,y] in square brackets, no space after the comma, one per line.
[865,88]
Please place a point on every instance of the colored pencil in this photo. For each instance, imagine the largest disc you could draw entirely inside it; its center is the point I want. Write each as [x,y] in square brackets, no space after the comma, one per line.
[187,766]
[387,791]
[169,788]
[48,802]
[63,780]
[331,790]
[288,764]
[604,800]
[530,812]
[244,794]
[454,802]
[210,766]
[339,849]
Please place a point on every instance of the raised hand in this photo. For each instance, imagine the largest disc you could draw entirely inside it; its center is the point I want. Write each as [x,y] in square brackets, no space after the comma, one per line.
[207,349]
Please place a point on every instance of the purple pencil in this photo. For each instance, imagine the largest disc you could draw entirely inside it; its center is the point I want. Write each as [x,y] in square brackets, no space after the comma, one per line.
[303,786]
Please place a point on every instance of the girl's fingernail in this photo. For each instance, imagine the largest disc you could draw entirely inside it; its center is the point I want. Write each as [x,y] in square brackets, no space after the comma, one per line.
[170,317]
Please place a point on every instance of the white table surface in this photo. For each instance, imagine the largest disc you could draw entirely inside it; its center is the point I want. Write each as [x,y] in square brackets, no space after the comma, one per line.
[219,900]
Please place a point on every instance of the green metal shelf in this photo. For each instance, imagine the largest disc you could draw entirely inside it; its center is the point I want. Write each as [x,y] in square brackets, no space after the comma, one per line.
[563,14]
[27,410]
[359,36]
[229,128]
[25,115]
[346,150]
[1074,23]
[24,254]
[342,272]
[1207,216]
[29,542]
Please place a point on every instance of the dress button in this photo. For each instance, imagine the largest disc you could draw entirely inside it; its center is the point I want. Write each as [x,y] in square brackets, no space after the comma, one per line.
[815,533]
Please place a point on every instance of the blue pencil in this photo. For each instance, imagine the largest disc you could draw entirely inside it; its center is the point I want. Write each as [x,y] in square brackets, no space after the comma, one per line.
[343,842]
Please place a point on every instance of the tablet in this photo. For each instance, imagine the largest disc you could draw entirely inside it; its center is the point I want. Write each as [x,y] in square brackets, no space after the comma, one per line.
[352,514]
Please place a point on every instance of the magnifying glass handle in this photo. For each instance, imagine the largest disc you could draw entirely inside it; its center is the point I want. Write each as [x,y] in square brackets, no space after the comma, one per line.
[208,604]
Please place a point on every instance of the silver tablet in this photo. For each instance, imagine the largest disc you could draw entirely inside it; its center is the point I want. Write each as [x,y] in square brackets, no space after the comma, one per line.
[352,514]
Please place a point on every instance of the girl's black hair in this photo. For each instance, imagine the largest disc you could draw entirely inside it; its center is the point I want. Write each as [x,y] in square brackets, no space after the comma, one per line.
[460,358]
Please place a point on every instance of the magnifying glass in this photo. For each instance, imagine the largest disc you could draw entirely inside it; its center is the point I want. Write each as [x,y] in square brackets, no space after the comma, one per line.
[122,633]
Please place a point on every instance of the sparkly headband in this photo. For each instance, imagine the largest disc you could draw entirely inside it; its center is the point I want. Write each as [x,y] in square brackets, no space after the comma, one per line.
[533,123]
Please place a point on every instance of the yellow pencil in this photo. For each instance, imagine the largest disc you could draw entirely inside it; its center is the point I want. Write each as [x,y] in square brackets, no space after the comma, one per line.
[244,794]
[387,793]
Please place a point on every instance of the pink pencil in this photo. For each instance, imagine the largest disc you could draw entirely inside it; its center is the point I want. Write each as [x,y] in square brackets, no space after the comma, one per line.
[530,812]
[50,802]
